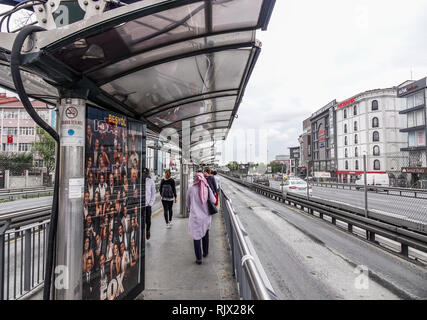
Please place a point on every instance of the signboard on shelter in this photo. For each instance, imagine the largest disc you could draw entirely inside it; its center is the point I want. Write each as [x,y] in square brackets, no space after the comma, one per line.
[114,196]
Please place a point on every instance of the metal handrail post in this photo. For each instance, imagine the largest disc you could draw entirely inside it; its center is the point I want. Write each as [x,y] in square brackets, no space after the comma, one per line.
[3,230]
[27,260]
[256,283]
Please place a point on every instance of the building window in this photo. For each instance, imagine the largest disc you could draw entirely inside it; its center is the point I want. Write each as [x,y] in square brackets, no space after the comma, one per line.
[346,152]
[346,165]
[377,165]
[24,147]
[376,151]
[356,139]
[10,114]
[375,122]
[355,126]
[345,128]
[10,131]
[43,114]
[415,100]
[415,118]
[345,140]
[374,105]
[26,131]
[39,163]
[355,110]
[345,113]
[24,115]
[356,152]
[357,164]
[416,138]
[10,147]
[375,136]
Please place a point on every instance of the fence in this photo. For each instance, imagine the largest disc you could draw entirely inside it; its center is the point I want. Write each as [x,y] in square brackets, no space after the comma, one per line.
[13,194]
[252,282]
[22,259]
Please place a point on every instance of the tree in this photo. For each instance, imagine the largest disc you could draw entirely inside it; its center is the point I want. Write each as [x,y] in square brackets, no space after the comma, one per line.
[277,167]
[44,149]
[16,163]
[233,166]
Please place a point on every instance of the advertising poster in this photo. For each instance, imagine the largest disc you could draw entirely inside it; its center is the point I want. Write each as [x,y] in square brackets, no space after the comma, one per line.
[113,198]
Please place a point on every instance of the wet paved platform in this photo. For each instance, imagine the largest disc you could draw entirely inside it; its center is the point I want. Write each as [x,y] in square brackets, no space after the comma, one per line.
[171,271]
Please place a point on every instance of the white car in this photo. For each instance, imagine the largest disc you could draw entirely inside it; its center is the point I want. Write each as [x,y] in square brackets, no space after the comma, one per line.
[295,185]
[372,179]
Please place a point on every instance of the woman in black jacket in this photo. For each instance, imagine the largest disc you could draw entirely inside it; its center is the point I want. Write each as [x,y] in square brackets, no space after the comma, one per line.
[168,194]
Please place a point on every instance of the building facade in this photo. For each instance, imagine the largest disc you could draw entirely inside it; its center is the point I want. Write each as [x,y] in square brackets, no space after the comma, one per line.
[305,147]
[412,94]
[294,154]
[369,123]
[323,141]
[17,128]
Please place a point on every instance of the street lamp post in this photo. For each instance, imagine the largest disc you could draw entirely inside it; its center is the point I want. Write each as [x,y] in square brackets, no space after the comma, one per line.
[365,185]
[308,192]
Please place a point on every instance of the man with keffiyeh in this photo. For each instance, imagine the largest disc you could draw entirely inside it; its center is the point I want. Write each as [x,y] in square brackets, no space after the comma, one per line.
[200,219]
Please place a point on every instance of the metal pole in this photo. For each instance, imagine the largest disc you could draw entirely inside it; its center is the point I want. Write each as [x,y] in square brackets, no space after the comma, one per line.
[183,188]
[308,193]
[68,272]
[27,261]
[365,184]
[281,180]
[3,230]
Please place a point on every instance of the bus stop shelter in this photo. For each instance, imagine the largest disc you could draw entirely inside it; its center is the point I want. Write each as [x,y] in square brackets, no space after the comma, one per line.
[180,67]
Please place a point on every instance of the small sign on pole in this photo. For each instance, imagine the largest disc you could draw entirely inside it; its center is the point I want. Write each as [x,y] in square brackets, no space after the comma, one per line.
[9,138]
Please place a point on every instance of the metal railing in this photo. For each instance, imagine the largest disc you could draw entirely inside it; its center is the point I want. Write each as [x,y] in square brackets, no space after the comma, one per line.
[252,281]
[403,192]
[22,258]
[376,223]
[12,194]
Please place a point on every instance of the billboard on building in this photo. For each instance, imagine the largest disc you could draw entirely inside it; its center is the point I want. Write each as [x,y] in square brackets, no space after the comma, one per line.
[322,174]
[113,257]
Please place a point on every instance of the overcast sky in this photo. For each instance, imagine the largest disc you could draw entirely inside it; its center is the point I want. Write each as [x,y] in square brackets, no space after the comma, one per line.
[316,51]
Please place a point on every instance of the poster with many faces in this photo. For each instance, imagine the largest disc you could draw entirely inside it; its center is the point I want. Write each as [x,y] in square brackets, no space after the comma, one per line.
[114,195]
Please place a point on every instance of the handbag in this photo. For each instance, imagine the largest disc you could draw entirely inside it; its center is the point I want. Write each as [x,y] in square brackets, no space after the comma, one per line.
[211,207]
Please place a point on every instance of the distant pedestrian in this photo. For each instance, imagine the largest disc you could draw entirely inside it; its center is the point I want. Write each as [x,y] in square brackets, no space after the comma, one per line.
[211,180]
[150,196]
[218,185]
[200,219]
[168,193]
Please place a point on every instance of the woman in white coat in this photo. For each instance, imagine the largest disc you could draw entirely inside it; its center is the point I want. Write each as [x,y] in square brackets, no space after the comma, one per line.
[200,219]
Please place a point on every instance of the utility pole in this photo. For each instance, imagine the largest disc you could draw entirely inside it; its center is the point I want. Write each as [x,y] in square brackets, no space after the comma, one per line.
[281,180]
[365,184]
[308,192]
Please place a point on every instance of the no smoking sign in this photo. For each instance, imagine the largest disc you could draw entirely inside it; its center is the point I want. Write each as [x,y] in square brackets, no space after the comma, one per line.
[71,112]
[72,126]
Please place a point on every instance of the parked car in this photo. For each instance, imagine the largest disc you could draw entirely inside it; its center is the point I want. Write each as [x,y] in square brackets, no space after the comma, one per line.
[373,179]
[262,180]
[296,185]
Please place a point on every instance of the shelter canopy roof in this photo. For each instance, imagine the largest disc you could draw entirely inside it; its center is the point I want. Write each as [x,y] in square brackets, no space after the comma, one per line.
[159,61]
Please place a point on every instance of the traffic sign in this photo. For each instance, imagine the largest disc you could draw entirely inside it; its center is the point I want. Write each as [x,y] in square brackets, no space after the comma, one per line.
[9,138]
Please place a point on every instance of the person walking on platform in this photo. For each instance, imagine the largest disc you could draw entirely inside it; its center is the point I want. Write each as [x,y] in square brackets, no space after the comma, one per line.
[218,185]
[150,196]
[168,193]
[199,220]
[210,179]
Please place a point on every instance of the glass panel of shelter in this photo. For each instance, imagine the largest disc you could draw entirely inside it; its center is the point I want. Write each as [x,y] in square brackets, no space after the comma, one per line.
[158,29]
[124,64]
[179,79]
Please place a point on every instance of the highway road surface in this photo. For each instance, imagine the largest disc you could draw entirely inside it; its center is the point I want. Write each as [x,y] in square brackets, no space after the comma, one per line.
[308,258]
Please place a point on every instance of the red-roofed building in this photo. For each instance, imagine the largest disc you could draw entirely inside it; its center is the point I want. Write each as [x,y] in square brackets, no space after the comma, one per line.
[17,129]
